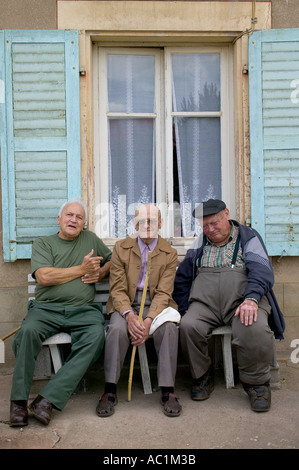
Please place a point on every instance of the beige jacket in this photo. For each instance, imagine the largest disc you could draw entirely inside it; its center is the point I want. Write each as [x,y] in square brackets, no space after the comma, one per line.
[124,274]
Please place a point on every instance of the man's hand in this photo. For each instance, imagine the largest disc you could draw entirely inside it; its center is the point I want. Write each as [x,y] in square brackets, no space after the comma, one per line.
[100,272]
[91,265]
[139,331]
[247,312]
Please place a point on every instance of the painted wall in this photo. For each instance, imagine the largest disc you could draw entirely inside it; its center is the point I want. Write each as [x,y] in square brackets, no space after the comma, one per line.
[42,14]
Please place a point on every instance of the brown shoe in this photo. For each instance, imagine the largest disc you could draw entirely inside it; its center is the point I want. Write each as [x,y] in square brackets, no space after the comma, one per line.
[171,405]
[106,405]
[18,413]
[41,409]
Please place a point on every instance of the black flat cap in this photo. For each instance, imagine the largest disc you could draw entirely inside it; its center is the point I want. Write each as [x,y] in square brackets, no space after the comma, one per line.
[210,207]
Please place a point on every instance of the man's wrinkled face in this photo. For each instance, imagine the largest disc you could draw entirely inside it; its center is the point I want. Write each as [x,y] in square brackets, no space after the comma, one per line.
[217,227]
[147,221]
[71,221]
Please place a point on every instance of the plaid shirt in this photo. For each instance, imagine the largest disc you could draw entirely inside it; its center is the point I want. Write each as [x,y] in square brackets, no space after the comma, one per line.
[214,256]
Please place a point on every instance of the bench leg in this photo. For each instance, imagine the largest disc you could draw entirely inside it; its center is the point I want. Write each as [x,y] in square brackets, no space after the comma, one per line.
[56,357]
[227,360]
[146,378]
[274,369]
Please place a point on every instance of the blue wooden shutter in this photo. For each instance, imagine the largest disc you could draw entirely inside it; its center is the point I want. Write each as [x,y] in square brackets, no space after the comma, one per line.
[40,133]
[274,138]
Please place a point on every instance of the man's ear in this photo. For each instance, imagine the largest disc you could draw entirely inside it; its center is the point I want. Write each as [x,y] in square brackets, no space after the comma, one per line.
[135,223]
[226,211]
[58,220]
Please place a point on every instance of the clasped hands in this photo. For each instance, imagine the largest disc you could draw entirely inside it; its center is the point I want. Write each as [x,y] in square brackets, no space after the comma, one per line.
[139,332]
[247,311]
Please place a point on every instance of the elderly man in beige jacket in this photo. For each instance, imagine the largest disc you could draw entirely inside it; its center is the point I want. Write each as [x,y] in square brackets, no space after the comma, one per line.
[127,277]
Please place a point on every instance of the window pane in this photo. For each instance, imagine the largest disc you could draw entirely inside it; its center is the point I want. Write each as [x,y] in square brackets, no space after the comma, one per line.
[197,147]
[196,82]
[131,169]
[197,150]
[131,83]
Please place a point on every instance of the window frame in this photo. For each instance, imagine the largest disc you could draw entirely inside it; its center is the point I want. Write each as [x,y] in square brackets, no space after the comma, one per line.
[164,148]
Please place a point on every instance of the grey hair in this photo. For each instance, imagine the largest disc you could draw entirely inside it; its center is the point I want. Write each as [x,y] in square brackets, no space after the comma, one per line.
[74,201]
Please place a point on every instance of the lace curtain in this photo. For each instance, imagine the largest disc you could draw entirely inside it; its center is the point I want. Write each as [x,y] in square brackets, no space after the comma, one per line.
[196,135]
[131,89]
[196,88]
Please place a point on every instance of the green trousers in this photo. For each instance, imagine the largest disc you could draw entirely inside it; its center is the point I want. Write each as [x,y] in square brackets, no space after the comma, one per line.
[84,323]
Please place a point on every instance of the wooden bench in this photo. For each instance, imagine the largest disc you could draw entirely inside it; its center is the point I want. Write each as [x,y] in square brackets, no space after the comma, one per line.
[53,343]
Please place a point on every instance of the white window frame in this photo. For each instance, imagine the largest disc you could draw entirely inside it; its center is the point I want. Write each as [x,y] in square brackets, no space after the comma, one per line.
[164,148]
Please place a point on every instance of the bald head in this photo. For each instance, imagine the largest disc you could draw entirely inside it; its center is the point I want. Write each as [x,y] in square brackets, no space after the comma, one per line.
[147,222]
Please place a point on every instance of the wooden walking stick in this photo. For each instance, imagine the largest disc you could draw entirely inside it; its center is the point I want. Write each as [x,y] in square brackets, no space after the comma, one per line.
[139,319]
[2,348]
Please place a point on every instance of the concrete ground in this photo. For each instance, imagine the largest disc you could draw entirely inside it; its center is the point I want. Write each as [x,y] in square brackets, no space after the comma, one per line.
[224,421]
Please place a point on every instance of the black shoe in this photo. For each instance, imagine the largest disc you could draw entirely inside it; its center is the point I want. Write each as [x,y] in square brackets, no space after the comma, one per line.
[41,409]
[259,395]
[203,387]
[18,413]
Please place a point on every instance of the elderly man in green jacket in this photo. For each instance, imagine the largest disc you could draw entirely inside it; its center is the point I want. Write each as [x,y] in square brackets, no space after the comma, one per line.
[127,277]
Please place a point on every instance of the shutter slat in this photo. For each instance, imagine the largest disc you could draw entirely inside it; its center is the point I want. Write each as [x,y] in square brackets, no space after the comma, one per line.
[40,66]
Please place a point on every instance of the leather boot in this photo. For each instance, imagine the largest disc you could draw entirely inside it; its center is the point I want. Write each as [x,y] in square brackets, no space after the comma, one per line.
[18,413]
[203,387]
[259,396]
[41,409]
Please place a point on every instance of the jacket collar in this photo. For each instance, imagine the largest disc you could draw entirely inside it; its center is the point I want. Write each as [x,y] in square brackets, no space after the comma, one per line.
[132,243]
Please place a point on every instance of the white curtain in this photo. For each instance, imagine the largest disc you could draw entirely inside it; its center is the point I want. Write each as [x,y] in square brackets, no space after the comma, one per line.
[131,140]
[196,87]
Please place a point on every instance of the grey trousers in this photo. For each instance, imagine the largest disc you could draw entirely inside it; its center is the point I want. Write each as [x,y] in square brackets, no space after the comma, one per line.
[214,297]
[165,338]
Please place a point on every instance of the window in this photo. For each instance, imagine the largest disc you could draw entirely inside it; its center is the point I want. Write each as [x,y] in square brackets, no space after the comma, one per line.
[162,134]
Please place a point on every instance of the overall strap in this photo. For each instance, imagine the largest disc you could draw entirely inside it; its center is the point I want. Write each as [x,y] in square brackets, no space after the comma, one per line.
[236,251]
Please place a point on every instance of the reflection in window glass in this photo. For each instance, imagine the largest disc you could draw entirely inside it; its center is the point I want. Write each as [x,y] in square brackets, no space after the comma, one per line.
[196,82]
[131,83]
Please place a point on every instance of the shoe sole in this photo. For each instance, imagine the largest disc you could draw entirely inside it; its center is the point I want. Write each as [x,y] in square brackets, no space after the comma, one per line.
[200,399]
[18,425]
[195,398]
[172,415]
[260,411]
